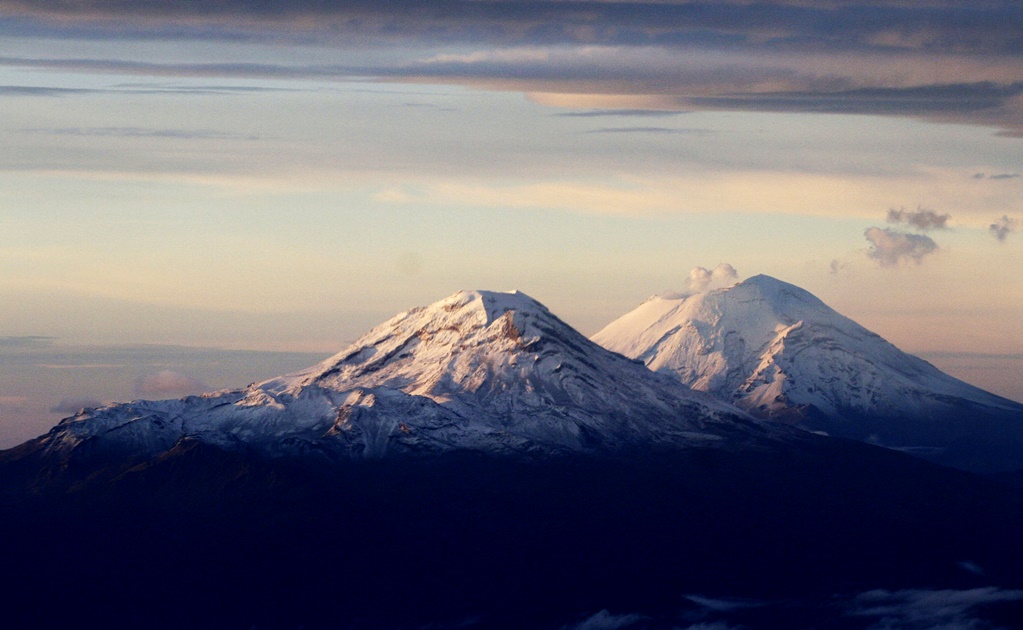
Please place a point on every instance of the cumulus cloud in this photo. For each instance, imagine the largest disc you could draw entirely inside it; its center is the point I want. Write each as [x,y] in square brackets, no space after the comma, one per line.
[702,279]
[890,247]
[168,384]
[1003,227]
[74,405]
[604,620]
[922,218]
[917,608]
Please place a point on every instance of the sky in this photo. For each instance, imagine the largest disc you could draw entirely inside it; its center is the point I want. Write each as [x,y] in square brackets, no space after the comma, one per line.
[281,176]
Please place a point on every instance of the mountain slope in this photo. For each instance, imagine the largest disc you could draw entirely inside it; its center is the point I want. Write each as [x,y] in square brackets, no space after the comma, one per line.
[484,371]
[778,352]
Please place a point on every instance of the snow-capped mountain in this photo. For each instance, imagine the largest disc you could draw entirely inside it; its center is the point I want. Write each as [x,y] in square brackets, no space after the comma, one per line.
[473,463]
[777,351]
[485,371]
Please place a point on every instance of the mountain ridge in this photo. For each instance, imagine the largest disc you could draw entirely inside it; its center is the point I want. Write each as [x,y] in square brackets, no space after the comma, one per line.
[479,370]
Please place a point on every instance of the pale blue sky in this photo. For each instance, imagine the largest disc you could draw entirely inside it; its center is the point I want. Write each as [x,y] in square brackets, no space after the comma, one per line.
[282,179]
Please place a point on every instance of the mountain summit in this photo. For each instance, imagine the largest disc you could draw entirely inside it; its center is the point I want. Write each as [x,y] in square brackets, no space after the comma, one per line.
[479,371]
[779,352]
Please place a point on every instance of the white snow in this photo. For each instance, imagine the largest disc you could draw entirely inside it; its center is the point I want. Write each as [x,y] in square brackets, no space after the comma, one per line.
[770,346]
[478,370]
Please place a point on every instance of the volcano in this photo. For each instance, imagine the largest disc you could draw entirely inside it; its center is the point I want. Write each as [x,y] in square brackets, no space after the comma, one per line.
[778,352]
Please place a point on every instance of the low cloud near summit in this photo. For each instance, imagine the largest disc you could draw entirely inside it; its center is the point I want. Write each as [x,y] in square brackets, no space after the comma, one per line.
[702,279]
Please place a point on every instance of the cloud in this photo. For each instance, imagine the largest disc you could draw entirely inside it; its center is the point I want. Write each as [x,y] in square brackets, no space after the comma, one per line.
[79,366]
[890,247]
[1003,227]
[652,130]
[640,113]
[13,404]
[837,266]
[971,567]
[74,405]
[929,609]
[26,342]
[998,176]
[141,132]
[168,384]
[875,24]
[604,620]
[922,219]
[121,67]
[25,90]
[702,279]
[939,61]
[723,605]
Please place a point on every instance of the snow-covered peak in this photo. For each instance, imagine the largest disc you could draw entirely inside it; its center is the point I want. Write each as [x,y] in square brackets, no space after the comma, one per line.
[688,333]
[485,349]
[449,346]
[497,303]
[478,370]
[776,350]
[782,296]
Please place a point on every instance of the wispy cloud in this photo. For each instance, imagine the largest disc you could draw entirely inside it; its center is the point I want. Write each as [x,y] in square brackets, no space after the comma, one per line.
[604,620]
[197,69]
[890,247]
[917,608]
[168,384]
[921,218]
[837,266]
[74,405]
[723,605]
[141,132]
[31,342]
[27,90]
[639,113]
[998,176]
[652,130]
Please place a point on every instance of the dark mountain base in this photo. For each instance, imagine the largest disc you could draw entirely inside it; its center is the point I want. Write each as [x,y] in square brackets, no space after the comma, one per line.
[207,539]
[980,441]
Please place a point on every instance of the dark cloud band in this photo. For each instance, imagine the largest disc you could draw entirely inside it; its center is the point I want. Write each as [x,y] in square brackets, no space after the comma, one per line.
[979,26]
[774,56]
